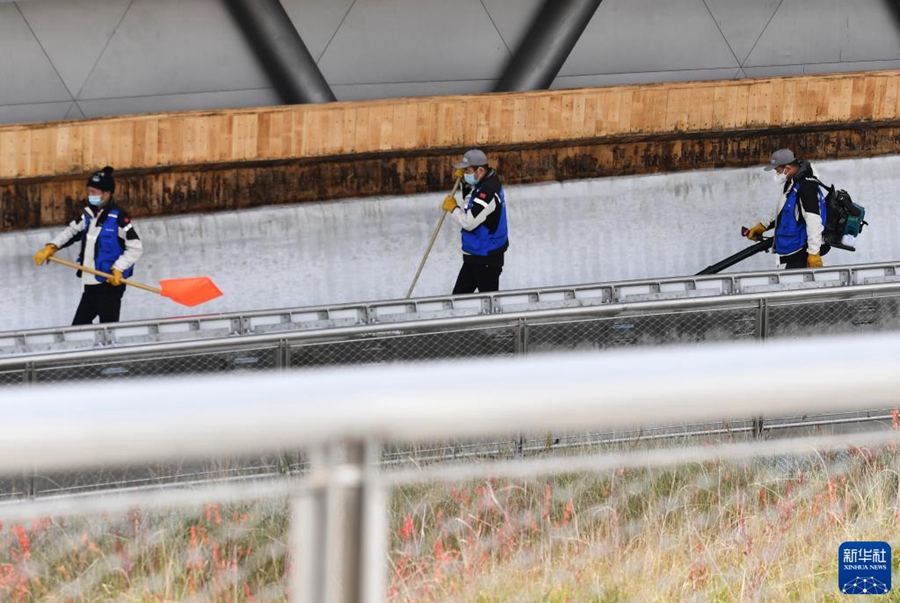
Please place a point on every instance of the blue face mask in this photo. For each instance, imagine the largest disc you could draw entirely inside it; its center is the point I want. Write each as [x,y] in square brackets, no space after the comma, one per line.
[95,200]
[470,179]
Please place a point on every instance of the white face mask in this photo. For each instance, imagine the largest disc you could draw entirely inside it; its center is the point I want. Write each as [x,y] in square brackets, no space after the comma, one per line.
[780,178]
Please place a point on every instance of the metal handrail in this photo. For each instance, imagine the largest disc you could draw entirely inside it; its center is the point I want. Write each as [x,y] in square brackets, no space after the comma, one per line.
[339,333]
[507,303]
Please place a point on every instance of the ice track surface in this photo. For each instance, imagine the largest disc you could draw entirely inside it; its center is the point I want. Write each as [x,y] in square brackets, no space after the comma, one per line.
[573,232]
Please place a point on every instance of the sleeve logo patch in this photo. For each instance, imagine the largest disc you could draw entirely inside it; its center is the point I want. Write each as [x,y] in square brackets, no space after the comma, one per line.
[482,195]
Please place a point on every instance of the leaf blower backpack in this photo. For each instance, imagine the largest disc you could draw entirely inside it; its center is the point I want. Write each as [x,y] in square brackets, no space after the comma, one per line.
[844,219]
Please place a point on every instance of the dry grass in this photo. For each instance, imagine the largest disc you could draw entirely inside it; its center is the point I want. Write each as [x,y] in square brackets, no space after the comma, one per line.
[214,554]
[763,531]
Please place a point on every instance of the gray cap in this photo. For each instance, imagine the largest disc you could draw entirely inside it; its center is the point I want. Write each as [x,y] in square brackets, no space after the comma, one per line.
[780,157]
[472,158]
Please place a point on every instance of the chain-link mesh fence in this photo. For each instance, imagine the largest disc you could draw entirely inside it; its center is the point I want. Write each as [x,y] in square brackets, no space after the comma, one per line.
[169,365]
[12,377]
[408,347]
[15,486]
[838,316]
[44,484]
[694,326]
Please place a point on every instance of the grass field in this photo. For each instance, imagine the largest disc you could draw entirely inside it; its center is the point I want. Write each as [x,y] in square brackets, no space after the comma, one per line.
[767,530]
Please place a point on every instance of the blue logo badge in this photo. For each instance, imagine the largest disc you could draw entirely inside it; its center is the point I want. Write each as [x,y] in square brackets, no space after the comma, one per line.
[864,568]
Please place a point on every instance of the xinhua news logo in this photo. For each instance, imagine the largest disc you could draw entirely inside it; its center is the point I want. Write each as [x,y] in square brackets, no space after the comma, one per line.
[864,568]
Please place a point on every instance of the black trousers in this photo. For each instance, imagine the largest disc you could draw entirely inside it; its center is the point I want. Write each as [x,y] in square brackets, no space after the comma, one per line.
[482,277]
[795,261]
[101,300]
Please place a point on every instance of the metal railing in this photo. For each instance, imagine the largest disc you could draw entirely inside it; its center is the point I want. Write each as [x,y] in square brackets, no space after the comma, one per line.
[344,418]
[737,307]
[289,320]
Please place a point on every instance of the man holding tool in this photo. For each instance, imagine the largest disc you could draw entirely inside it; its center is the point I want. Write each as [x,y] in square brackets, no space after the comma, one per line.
[109,244]
[483,224]
[799,214]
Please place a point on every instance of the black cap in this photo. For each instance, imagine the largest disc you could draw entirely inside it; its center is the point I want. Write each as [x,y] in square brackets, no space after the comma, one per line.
[103,180]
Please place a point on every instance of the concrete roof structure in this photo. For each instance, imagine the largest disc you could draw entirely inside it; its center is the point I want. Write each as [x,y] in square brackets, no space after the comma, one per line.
[69,59]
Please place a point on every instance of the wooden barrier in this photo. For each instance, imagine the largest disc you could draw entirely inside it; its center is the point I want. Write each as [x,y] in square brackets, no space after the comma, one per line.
[203,161]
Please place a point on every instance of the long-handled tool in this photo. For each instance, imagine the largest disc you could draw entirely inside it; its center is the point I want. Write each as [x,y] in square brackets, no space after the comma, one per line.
[185,291]
[434,235]
[740,256]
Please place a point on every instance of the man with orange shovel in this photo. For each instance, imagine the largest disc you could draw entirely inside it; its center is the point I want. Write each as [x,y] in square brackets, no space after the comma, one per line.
[109,243]
[110,247]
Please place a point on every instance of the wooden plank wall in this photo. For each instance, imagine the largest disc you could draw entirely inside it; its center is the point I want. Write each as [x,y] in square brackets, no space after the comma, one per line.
[209,161]
[517,119]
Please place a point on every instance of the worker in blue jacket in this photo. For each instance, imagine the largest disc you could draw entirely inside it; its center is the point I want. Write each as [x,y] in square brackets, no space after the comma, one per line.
[483,222]
[799,216]
[109,243]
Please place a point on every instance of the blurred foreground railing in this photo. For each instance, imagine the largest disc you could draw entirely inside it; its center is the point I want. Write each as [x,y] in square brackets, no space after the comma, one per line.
[343,419]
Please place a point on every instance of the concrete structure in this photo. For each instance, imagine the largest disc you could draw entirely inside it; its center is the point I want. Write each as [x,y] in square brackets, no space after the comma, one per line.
[67,59]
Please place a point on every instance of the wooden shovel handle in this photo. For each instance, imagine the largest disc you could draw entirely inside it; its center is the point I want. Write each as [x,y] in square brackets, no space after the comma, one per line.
[434,235]
[98,273]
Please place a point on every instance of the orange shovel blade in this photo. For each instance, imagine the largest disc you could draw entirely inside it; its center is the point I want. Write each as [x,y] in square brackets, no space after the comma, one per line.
[189,291]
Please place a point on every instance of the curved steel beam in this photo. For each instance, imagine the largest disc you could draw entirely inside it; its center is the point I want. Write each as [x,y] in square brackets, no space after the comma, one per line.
[281,51]
[552,36]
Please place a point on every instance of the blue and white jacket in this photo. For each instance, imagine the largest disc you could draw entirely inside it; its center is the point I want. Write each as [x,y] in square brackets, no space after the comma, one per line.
[799,215]
[485,236]
[108,240]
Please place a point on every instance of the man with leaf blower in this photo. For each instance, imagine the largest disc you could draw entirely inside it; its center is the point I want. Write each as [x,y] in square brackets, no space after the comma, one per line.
[799,215]
[483,223]
[109,243]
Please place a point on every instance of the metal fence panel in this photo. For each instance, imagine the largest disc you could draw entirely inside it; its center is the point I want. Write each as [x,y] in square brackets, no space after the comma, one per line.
[15,487]
[12,377]
[169,365]
[695,326]
[408,347]
[836,316]
[46,484]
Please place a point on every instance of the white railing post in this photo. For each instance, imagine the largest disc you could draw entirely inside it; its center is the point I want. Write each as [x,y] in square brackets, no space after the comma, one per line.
[308,539]
[331,539]
[375,500]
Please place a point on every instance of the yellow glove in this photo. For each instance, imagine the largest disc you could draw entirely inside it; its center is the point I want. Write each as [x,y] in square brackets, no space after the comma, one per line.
[449,204]
[459,173]
[116,279]
[756,232]
[814,261]
[45,253]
